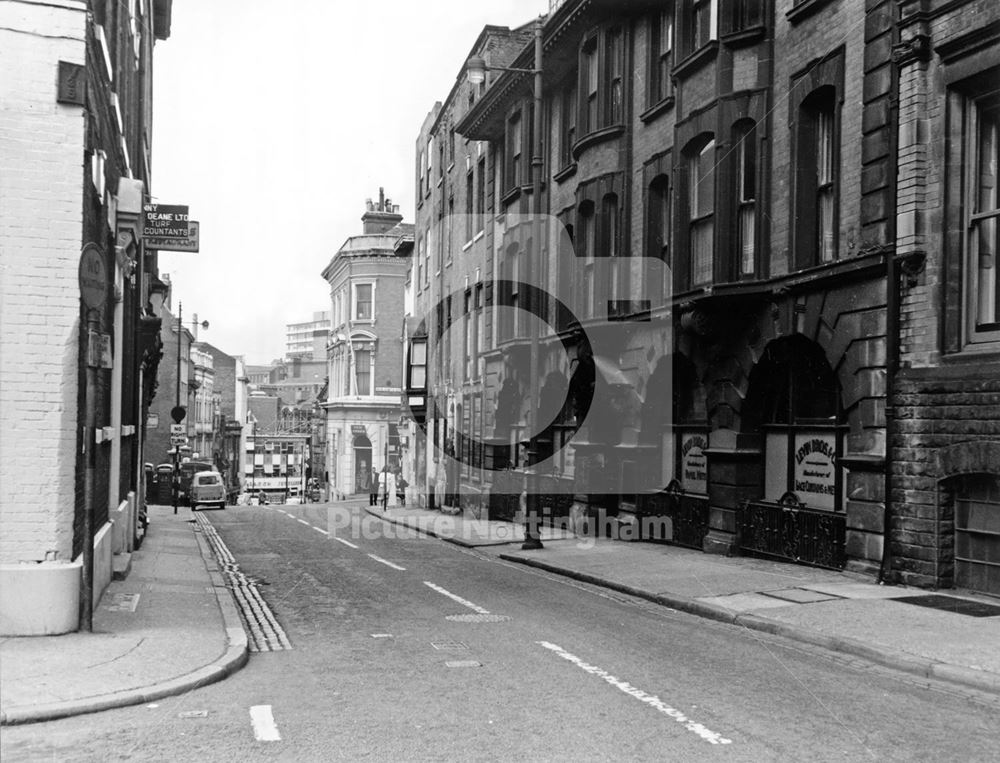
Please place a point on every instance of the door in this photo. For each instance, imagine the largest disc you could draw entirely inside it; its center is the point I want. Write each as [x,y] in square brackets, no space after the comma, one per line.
[977,533]
[362,463]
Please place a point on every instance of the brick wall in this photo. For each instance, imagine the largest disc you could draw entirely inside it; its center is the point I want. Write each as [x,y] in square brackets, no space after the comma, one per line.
[40,232]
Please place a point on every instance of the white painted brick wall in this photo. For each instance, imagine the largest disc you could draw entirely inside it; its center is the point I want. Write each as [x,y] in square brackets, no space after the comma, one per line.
[41,208]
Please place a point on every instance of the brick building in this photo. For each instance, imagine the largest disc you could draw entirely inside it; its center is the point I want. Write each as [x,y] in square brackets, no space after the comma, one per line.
[364,357]
[75,132]
[158,449]
[720,224]
[945,434]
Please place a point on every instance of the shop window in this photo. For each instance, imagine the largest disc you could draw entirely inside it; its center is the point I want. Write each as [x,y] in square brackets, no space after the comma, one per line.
[816,192]
[700,179]
[661,51]
[794,402]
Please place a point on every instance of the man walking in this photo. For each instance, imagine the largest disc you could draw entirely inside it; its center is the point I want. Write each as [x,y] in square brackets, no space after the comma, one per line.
[373,488]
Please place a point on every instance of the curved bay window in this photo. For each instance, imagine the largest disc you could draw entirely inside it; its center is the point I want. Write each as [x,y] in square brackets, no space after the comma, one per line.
[698,24]
[794,401]
[601,100]
[742,16]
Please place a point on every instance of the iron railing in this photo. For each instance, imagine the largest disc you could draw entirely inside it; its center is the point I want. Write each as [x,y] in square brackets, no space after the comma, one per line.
[688,515]
[788,530]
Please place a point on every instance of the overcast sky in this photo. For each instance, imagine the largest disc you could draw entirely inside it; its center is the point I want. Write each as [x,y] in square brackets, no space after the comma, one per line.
[274,122]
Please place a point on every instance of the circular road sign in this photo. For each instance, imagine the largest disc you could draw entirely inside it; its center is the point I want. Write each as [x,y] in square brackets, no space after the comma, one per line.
[93,277]
[177,413]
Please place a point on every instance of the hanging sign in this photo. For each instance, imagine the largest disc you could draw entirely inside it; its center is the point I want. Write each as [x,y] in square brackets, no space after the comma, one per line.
[165,225]
[694,465]
[815,469]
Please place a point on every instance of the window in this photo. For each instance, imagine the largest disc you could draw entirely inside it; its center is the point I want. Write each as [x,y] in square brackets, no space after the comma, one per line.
[609,244]
[744,155]
[470,200]
[701,210]
[982,206]
[363,308]
[661,49]
[514,151]
[477,330]
[658,235]
[568,126]
[588,239]
[699,24]
[422,170]
[418,364]
[363,371]
[480,194]
[742,15]
[588,73]
[427,258]
[614,65]
[467,325]
[430,163]
[816,179]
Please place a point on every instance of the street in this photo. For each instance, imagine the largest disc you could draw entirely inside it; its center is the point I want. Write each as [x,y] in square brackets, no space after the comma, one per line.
[407,648]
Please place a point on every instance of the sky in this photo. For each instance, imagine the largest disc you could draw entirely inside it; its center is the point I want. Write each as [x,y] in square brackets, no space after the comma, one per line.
[274,122]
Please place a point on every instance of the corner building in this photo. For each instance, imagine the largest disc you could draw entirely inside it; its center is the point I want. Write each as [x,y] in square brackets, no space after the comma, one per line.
[718,186]
[365,358]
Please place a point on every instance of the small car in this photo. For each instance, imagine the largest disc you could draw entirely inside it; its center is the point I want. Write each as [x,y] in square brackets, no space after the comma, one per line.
[207,488]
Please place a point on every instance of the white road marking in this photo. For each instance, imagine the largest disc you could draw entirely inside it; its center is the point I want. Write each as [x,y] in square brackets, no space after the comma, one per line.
[319,530]
[264,727]
[381,635]
[459,599]
[302,521]
[387,563]
[345,542]
[653,701]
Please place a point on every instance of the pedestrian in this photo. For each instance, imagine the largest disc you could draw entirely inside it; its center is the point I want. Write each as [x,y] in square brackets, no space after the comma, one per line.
[373,488]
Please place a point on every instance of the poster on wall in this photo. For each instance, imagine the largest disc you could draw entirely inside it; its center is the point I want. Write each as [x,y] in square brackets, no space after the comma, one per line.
[815,469]
[694,464]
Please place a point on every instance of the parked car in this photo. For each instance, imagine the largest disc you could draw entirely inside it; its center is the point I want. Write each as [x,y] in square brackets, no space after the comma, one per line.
[187,470]
[207,489]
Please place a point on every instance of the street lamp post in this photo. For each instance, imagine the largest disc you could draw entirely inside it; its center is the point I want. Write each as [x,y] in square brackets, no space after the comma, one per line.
[476,68]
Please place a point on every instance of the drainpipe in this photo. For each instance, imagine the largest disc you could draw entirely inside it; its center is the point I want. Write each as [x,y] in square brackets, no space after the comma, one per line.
[891,363]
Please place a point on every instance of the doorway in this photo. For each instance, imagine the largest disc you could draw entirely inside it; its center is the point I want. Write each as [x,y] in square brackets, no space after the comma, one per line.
[362,463]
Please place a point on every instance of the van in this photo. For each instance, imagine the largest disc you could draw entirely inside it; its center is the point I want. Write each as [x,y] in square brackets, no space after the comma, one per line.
[207,489]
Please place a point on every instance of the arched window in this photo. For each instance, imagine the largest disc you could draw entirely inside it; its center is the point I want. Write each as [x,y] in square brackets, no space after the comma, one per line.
[793,400]
[658,238]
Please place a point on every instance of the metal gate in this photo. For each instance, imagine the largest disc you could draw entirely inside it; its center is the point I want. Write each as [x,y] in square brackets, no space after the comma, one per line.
[687,515]
[789,531]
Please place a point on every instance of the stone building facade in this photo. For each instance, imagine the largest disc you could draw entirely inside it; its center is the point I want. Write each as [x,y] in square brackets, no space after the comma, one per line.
[719,236]
[364,357]
[945,434]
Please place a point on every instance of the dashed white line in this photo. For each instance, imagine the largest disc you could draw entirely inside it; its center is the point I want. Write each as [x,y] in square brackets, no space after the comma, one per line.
[387,563]
[459,599]
[653,701]
[264,727]
[345,542]
[319,530]
[302,522]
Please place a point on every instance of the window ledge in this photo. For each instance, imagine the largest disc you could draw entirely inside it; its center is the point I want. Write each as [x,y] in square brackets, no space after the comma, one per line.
[696,60]
[595,137]
[657,108]
[510,196]
[566,172]
[804,10]
[741,37]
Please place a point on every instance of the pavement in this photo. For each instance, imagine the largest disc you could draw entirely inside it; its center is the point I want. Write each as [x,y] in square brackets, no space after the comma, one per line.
[171,625]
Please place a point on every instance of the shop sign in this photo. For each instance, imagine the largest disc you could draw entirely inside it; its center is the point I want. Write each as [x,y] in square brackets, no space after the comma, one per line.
[815,469]
[166,226]
[358,429]
[694,464]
